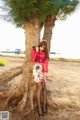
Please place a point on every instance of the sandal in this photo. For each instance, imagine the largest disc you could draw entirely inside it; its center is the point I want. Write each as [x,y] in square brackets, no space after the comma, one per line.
[44,109]
[40,114]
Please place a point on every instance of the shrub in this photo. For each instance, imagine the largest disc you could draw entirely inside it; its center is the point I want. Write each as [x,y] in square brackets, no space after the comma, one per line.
[3,63]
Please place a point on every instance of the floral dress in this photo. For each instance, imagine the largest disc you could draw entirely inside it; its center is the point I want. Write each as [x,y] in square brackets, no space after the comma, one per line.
[41,65]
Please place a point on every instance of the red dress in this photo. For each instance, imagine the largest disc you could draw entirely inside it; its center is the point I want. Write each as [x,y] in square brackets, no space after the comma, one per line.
[40,57]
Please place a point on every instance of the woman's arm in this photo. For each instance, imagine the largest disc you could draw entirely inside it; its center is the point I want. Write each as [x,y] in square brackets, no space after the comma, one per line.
[45,69]
[45,66]
[34,53]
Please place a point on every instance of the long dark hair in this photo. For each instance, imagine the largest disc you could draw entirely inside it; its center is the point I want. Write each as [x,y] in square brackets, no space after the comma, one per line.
[44,43]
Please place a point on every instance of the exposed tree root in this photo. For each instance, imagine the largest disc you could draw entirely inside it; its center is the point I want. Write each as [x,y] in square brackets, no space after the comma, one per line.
[4,95]
[13,101]
[16,98]
[10,74]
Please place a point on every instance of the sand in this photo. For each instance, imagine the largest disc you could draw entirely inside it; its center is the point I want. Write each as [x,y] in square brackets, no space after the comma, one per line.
[64,86]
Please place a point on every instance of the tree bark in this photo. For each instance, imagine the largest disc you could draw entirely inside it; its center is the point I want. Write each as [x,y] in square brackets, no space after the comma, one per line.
[32,35]
[24,93]
[48,27]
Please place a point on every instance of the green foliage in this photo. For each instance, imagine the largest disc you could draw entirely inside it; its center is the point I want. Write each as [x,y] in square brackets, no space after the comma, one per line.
[3,63]
[23,10]
[67,7]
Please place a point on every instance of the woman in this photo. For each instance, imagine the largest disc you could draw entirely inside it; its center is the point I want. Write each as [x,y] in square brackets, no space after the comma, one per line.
[39,56]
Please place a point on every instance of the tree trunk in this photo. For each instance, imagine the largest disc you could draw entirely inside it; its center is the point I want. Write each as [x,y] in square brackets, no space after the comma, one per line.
[24,93]
[32,35]
[48,27]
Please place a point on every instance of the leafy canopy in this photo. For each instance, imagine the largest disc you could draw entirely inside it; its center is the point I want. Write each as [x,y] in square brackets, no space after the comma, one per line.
[20,11]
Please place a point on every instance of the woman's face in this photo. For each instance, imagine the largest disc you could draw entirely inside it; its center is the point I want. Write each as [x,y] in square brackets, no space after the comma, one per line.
[42,48]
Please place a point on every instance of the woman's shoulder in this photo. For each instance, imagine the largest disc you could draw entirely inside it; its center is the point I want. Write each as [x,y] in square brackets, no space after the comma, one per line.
[44,52]
[33,49]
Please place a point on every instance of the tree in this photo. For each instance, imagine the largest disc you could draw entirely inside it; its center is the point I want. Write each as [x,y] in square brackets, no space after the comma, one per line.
[65,8]
[48,27]
[29,15]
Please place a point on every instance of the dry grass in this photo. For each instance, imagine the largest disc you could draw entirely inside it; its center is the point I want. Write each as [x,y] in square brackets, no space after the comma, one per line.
[65,59]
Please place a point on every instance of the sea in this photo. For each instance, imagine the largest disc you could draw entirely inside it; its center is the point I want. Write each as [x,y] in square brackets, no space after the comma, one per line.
[51,55]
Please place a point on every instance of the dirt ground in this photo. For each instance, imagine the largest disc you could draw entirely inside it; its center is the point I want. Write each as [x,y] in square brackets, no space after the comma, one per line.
[64,86]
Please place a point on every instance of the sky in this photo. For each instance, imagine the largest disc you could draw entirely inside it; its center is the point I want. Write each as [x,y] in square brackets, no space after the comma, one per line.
[11,37]
[65,38]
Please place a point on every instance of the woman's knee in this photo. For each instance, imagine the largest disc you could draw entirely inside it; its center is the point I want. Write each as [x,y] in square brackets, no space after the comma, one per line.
[39,86]
[44,86]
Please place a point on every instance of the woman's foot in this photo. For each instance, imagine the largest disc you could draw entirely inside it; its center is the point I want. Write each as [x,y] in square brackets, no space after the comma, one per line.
[44,109]
[39,110]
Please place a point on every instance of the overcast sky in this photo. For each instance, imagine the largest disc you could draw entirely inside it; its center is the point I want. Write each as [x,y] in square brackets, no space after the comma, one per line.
[66,36]
[65,40]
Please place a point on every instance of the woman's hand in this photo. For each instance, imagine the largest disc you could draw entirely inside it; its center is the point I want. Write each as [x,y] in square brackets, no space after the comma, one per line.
[37,49]
[45,76]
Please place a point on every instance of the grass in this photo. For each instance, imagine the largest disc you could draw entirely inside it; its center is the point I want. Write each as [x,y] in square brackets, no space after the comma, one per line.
[65,59]
[3,63]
